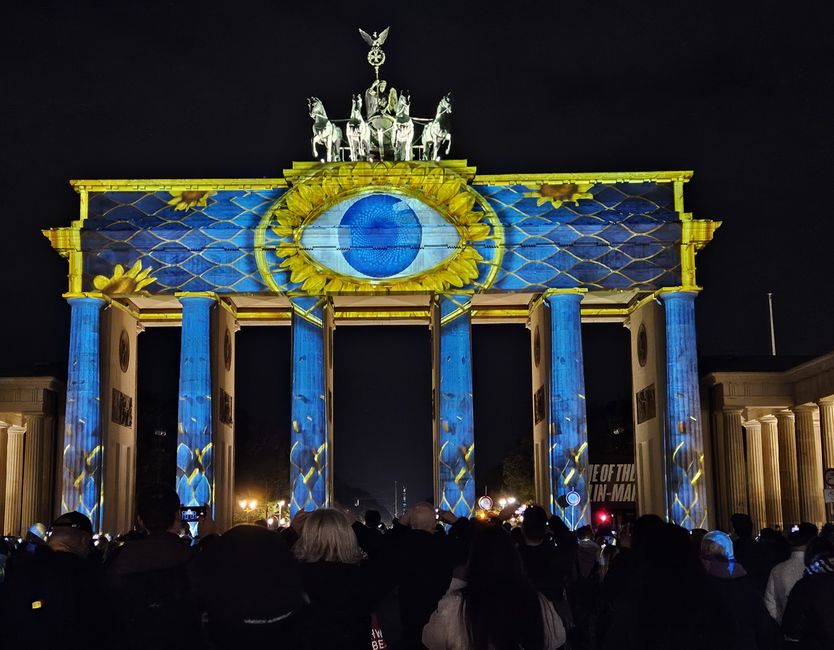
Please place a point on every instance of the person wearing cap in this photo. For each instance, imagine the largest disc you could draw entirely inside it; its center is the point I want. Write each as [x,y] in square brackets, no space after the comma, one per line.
[50,598]
[786,574]
[729,585]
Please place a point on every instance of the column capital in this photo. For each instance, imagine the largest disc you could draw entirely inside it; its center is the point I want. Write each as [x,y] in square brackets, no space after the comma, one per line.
[826,401]
[805,408]
[578,291]
[196,296]
[731,410]
[751,424]
[85,298]
[16,429]
[784,414]
[677,293]
[767,418]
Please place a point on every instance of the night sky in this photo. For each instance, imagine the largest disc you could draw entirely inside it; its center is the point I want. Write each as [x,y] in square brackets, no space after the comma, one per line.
[741,93]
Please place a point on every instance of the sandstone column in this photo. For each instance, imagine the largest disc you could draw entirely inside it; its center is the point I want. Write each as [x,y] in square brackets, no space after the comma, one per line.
[788,474]
[14,481]
[736,470]
[33,477]
[809,462]
[4,437]
[826,407]
[755,474]
[770,463]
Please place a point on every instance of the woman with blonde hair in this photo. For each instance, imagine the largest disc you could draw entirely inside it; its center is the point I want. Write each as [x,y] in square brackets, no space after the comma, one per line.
[338,610]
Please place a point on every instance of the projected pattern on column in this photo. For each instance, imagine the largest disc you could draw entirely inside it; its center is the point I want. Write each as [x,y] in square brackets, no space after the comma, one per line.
[82,438]
[456,439]
[195,474]
[568,424]
[308,437]
[685,444]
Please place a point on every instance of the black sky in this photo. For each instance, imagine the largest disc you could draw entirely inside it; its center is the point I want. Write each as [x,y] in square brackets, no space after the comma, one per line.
[741,93]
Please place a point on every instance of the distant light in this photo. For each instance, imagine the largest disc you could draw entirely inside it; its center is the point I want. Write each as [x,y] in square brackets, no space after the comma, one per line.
[282,503]
[502,502]
[511,500]
[485,502]
[270,521]
[242,504]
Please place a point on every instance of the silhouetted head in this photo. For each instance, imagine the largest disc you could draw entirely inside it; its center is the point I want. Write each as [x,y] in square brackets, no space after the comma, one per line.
[157,508]
[72,532]
[819,548]
[534,525]
[801,538]
[372,518]
[584,532]
[742,525]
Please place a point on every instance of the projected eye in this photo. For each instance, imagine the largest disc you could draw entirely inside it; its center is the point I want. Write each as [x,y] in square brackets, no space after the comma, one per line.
[380,236]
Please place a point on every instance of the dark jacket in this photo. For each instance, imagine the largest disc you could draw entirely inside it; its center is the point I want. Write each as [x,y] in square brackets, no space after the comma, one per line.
[736,594]
[421,566]
[338,612]
[50,598]
[809,615]
[150,597]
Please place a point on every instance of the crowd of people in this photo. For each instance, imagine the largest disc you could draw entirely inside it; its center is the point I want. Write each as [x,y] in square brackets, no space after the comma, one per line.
[431,580]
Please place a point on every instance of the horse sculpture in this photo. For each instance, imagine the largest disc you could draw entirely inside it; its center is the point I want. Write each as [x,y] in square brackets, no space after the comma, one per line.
[403,129]
[358,132]
[325,133]
[436,133]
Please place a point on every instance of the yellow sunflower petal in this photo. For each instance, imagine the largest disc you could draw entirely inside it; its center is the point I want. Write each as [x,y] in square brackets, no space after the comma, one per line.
[447,190]
[118,271]
[461,203]
[477,231]
[297,204]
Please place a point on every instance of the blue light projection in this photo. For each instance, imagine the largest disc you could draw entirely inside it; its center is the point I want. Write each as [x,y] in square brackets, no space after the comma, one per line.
[687,504]
[456,438]
[308,436]
[83,453]
[568,424]
[380,235]
[195,473]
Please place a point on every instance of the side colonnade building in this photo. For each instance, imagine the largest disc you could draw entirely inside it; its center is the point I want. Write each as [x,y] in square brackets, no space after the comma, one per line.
[772,438]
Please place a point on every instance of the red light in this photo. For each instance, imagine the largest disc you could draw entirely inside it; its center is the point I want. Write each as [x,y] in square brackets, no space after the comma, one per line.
[602,516]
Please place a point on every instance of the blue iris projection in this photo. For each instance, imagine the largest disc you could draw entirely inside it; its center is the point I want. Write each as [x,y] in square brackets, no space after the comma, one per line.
[380,235]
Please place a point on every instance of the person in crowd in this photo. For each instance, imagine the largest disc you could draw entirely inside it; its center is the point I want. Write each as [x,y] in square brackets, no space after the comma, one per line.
[786,574]
[336,591]
[752,555]
[808,621]
[249,587]
[371,539]
[496,607]
[730,586]
[420,565]
[665,579]
[546,563]
[49,597]
[147,576]
[583,588]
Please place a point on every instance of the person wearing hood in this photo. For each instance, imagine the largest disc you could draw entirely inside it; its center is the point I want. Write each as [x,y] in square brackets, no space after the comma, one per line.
[808,622]
[729,584]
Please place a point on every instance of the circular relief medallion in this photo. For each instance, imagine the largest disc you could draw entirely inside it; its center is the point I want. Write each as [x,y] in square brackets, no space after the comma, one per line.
[642,345]
[537,346]
[227,350]
[124,351]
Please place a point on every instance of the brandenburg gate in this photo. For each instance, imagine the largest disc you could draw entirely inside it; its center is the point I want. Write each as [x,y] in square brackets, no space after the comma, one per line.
[382,228]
